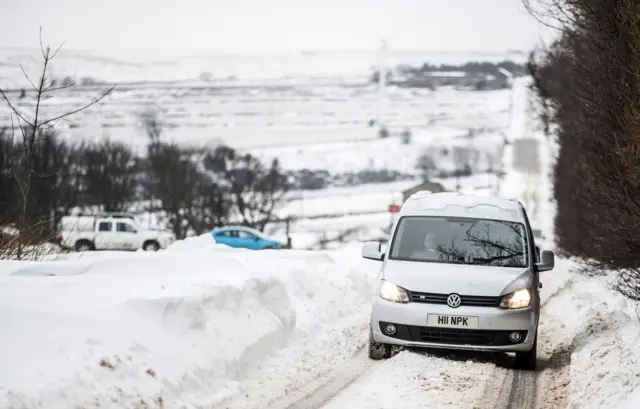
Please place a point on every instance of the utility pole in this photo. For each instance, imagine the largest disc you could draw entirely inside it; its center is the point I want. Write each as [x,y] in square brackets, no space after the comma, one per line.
[507,129]
[382,85]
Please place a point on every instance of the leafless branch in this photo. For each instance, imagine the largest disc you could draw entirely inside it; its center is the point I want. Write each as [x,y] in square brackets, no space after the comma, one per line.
[57,51]
[14,109]
[28,79]
[61,88]
[44,55]
[95,101]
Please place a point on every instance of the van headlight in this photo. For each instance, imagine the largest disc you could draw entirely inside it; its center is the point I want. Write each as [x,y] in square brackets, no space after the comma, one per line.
[517,299]
[391,292]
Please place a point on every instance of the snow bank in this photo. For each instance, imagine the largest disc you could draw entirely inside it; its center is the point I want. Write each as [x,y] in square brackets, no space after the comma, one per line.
[600,331]
[177,328]
[203,243]
[633,402]
[606,345]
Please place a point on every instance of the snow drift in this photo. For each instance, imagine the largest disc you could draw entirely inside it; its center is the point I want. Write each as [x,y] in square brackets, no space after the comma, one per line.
[178,328]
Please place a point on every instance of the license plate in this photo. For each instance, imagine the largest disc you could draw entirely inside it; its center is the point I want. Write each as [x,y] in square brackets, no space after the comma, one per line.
[452,321]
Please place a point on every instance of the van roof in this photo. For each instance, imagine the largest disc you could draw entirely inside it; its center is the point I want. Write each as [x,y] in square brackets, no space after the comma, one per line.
[454,204]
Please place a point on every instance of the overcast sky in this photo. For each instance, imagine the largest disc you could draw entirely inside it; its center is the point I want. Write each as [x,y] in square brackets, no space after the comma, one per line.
[270,25]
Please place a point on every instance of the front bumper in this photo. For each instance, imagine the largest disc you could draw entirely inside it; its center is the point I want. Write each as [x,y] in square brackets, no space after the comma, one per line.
[492,333]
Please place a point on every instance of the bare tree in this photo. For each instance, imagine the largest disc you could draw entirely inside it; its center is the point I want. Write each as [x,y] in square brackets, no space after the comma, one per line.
[589,79]
[110,176]
[31,124]
[190,197]
[7,182]
[256,190]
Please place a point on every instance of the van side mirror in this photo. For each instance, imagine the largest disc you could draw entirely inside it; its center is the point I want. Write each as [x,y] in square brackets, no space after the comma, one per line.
[547,261]
[372,250]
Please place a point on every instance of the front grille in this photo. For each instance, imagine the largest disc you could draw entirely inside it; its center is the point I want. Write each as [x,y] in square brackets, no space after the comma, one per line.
[455,336]
[467,300]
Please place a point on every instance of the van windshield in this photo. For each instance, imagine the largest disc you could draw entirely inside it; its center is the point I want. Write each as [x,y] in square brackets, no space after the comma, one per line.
[458,240]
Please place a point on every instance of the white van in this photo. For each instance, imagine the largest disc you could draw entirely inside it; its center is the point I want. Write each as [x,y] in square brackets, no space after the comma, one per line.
[460,272]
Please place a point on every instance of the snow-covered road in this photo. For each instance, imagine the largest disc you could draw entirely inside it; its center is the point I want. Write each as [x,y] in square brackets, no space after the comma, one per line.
[440,379]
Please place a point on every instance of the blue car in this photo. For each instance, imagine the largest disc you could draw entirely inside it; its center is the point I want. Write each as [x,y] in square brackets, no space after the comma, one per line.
[244,237]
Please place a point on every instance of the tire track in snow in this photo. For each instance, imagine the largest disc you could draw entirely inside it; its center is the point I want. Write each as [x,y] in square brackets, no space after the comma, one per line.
[508,388]
[515,389]
[318,394]
[315,394]
[523,390]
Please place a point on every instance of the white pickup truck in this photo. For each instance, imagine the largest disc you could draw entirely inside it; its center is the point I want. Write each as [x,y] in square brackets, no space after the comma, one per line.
[88,233]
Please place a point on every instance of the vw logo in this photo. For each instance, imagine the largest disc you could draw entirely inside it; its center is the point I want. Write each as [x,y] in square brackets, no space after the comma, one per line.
[454,300]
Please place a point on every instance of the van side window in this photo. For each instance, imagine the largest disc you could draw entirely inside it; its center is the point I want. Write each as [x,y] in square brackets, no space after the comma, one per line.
[104,226]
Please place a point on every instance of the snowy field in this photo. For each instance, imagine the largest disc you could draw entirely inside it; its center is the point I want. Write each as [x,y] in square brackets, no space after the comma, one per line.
[393,155]
[306,117]
[294,100]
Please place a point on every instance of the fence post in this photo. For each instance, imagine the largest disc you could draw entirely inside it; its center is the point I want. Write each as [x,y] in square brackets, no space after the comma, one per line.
[287,232]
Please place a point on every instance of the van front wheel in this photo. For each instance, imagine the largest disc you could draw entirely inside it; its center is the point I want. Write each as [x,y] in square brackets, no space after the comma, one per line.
[377,350]
[527,360]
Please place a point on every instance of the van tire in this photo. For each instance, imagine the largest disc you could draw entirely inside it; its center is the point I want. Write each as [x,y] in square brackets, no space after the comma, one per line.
[151,245]
[527,360]
[378,351]
[84,245]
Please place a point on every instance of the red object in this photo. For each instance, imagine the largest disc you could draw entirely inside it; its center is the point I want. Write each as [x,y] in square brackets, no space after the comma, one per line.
[394,208]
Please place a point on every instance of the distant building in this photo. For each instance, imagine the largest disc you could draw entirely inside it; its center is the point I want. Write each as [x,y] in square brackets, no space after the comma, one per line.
[427,185]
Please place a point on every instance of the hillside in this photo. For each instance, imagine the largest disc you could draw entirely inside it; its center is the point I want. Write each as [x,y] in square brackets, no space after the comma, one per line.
[328,100]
